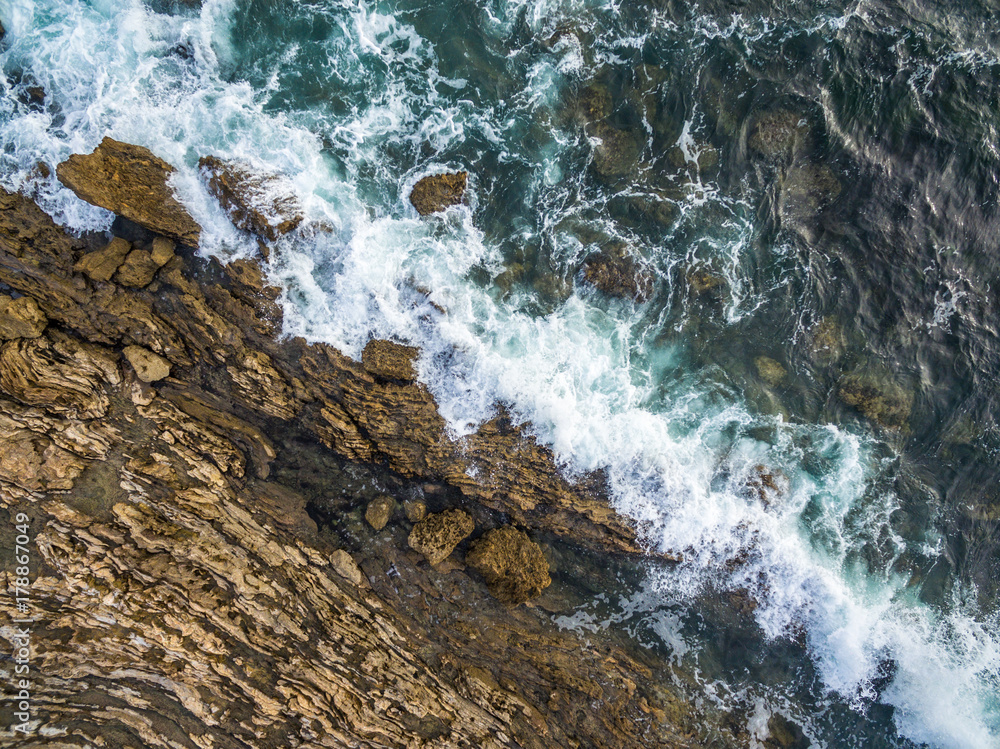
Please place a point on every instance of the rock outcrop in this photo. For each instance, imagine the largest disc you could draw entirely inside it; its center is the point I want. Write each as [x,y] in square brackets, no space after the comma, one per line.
[132,182]
[20,318]
[181,593]
[262,204]
[437,535]
[512,564]
[438,191]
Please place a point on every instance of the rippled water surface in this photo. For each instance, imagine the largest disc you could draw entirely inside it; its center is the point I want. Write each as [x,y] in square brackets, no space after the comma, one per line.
[803,402]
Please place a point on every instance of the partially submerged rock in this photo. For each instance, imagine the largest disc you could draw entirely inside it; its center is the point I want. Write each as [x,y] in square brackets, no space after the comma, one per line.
[828,342]
[148,366]
[21,318]
[616,272]
[379,511]
[437,535]
[101,265]
[438,191]
[879,398]
[389,360]
[260,203]
[132,182]
[512,564]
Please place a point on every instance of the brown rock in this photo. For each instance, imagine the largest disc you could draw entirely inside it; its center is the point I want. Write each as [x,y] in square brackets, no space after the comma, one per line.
[437,535]
[393,361]
[437,192]
[416,510]
[617,153]
[616,272]
[770,371]
[163,251]
[101,265]
[20,318]
[379,511]
[149,367]
[261,204]
[878,397]
[346,567]
[137,271]
[512,564]
[132,182]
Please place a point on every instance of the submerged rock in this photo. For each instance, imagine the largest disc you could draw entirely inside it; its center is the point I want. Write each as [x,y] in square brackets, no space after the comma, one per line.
[769,370]
[438,191]
[21,318]
[828,342]
[879,398]
[437,535]
[379,511]
[416,510]
[616,272]
[777,134]
[101,265]
[617,153]
[512,564]
[149,367]
[389,360]
[259,203]
[132,182]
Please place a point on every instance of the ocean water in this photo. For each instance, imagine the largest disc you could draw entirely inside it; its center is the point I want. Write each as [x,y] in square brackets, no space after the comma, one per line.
[805,407]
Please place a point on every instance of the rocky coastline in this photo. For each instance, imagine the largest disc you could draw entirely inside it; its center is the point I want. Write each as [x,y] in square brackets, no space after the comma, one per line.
[197,487]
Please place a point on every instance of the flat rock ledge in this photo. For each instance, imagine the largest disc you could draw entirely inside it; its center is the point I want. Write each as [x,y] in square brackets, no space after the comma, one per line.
[183,596]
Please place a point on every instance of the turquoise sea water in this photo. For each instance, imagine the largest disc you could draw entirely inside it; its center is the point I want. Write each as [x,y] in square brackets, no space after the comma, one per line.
[812,189]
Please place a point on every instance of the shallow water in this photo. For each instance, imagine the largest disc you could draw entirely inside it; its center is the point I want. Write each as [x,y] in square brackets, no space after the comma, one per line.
[815,183]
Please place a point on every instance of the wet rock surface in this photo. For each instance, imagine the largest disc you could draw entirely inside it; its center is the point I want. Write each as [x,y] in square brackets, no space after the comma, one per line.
[261,204]
[437,535]
[389,360]
[617,272]
[177,552]
[438,191]
[512,564]
[132,182]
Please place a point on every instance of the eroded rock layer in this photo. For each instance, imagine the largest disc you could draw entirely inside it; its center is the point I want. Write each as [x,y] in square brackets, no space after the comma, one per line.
[184,597]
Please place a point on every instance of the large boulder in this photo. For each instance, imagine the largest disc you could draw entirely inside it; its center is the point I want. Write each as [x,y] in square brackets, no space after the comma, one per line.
[132,182]
[512,564]
[439,191]
[20,318]
[616,272]
[437,535]
[262,204]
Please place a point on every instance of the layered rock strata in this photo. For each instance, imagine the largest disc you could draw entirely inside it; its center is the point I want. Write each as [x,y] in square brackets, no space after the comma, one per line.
[183,597]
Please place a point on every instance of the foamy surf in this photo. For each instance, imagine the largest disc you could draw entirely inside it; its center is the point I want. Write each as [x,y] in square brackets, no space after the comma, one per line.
[596,379]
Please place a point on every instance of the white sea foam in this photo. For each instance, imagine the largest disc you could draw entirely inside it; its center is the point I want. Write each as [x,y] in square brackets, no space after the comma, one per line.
[588,375]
